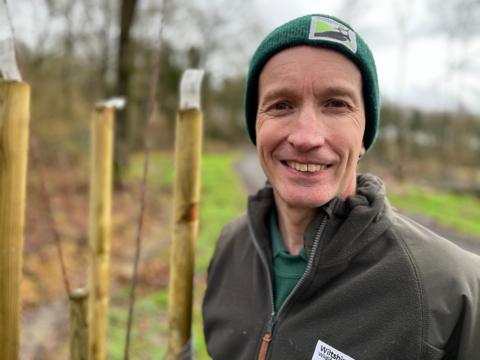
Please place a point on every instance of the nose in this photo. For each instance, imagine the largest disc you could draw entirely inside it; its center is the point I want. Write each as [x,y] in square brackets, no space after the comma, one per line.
[307,131]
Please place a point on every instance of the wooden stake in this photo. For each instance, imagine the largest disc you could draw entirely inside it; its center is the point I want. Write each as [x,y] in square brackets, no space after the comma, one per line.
[14,122]
[188,145]
[100,229]
[78,325]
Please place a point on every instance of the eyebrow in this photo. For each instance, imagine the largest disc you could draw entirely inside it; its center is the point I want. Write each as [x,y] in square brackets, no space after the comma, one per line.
[275,93]
[342,90]
[329,90]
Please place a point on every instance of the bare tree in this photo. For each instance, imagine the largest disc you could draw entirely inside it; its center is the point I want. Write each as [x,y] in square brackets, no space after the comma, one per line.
[402,13]
[123,85]
[457,21]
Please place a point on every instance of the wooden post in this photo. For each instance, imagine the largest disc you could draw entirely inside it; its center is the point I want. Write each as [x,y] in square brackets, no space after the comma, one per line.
[100,229]
[14,122]
[188,144]
[78,325]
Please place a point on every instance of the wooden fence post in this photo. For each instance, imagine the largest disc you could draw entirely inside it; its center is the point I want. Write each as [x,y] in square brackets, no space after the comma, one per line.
[100,229]
[14,122]
[188,145]
[78,325]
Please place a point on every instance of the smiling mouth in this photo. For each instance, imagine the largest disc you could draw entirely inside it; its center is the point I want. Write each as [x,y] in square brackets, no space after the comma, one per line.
[305,167]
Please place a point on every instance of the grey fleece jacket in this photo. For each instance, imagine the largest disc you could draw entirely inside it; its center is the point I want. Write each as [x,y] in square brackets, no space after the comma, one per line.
[377,286]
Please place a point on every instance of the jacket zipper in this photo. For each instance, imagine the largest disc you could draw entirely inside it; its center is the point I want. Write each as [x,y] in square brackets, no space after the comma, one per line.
[267,337]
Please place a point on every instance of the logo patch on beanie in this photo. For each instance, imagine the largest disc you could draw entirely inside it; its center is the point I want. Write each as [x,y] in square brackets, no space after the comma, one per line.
[322,28]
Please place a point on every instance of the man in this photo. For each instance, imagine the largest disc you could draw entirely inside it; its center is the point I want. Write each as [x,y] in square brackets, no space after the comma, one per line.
[321,266]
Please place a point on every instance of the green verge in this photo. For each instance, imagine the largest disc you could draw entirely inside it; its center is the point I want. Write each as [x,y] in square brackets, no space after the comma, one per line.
[222,199]
[458,212]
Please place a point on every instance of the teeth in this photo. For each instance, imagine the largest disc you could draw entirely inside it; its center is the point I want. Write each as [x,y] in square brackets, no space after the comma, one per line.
[305,167]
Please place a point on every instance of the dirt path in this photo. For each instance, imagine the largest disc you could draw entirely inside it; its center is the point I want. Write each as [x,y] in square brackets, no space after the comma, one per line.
[253,178]
[43,330]
[44,326]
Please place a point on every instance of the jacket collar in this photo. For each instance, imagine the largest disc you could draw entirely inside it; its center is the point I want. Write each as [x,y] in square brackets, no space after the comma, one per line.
[348,220]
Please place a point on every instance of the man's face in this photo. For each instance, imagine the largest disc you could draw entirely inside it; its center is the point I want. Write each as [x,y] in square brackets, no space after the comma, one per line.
[310,125]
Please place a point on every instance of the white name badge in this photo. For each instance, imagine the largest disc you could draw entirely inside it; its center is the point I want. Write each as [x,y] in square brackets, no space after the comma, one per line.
[326,352]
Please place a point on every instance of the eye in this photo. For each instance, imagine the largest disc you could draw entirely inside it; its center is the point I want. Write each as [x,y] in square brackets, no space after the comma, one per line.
[281,106]
[336,103]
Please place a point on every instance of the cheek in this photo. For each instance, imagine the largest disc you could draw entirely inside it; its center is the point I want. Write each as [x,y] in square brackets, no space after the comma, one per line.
[262,137]
[259,129]
[348,137]
[264,140]
[268,134]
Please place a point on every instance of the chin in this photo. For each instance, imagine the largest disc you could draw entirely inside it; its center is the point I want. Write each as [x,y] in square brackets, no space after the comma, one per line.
[305,197]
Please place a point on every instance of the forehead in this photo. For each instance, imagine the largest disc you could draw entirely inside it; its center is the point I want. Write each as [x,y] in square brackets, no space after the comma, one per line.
[301,61]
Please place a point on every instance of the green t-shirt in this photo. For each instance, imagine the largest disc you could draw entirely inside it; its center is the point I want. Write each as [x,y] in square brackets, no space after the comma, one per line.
[287,268]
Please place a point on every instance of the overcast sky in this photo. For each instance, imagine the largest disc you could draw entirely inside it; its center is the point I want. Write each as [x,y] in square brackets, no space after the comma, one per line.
[413,72]
[419,77]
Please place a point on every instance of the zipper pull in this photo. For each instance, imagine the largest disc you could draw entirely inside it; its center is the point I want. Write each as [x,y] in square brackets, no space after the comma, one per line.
[267,337]
[262,355]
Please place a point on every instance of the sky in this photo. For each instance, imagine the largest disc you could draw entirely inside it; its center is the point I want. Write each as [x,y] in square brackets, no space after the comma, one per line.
[413,68]
[413,72]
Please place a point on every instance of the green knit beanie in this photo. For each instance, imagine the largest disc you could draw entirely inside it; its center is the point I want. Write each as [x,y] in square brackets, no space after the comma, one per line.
[323,31]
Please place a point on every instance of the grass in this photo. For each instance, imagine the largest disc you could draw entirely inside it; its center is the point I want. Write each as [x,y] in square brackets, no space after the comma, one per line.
[222,199]
[150,325]
[455,211]
[160,174]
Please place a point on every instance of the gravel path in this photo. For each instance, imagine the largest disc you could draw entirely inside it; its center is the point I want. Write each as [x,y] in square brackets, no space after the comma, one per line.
[253,178]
